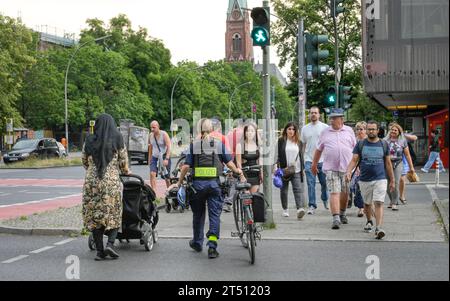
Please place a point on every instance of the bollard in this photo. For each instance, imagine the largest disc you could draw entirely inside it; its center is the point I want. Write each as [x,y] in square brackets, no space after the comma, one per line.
[436,178]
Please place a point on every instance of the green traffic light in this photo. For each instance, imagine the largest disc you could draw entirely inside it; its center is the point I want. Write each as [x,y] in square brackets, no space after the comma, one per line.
[331,99]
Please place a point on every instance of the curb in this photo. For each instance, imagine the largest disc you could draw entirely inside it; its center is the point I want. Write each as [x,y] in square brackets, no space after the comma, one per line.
[443,214]
[39,231]
[47,231]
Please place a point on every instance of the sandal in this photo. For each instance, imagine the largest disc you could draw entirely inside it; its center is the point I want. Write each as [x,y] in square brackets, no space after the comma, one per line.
[403,201]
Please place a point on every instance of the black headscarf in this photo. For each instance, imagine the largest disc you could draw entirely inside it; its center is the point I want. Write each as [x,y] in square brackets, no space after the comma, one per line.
[103,143]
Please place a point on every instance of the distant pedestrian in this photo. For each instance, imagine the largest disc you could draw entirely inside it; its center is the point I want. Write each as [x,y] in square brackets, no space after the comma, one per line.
[355,190]
[435,149]
[398,146]
[336,143]
[290,156]
[410,138]
[104,157]
[371,155]
[159,148]
[309,137]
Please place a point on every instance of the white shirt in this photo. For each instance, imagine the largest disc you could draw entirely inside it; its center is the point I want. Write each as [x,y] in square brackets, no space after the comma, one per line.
[309,136]
[291,154]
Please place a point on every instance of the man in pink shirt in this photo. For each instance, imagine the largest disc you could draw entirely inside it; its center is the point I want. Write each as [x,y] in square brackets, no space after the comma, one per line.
[336,144]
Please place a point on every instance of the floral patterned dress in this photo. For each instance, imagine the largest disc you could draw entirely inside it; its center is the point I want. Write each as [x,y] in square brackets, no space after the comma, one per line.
[102,198]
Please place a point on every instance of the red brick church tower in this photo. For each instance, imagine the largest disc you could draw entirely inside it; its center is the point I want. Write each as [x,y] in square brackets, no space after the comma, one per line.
[238,44]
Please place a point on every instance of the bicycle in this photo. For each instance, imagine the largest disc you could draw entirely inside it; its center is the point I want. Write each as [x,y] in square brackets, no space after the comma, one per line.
[243,215]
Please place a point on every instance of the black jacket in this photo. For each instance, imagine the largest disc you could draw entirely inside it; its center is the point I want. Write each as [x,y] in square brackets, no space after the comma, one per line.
[282,161]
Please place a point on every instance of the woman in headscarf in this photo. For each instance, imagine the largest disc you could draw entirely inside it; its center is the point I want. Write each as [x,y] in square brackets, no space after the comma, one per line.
[104,158]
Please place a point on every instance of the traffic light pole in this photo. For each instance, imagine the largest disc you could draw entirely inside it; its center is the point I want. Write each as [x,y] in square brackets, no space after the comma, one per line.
[302,95]
[337,71]
[267,171]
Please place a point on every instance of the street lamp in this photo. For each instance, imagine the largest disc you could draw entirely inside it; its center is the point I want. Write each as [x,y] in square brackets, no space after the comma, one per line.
[231,97]
[65,84]
[173,89]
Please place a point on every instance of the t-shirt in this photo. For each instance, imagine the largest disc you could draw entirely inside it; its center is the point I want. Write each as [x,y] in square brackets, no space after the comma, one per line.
[292,154]
[372,160]
[309,136]
[396,148]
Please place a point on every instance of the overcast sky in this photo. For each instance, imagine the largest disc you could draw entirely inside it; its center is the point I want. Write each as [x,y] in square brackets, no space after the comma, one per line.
[191,29]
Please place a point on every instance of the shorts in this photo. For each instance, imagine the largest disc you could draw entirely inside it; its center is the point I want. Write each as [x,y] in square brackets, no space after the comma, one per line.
[154,165]
[405,166]
[373,191]
[336,182]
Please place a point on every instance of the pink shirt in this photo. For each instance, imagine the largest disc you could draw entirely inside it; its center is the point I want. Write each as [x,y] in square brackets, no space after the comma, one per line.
[337,148]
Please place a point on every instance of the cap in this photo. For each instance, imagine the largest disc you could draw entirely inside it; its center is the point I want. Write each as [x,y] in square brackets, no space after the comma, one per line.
[336,112]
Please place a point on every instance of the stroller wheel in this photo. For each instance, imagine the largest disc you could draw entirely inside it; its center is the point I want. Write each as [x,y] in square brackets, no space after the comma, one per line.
[91,242]
[148,241]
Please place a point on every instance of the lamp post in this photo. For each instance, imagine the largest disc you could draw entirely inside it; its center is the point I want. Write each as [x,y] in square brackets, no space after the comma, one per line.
[231,97]
[65,84]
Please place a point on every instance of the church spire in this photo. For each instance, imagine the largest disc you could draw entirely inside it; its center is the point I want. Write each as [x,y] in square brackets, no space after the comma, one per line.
[236,4]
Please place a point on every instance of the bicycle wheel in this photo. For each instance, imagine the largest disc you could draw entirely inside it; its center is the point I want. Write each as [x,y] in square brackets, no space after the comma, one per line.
[250,233]
[239,220]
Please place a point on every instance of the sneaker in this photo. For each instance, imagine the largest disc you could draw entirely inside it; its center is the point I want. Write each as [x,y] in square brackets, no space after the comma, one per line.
[195,246]
[394,208]
[441,171]
[111,252]
[325,205]
[285,213]
[336,225]
[344,219]
[226,208]
[300,213]
[360,213]
[212,253]
[100,256]
[389,206]
[424,170]
[369,226]
[311,210]
[379,233]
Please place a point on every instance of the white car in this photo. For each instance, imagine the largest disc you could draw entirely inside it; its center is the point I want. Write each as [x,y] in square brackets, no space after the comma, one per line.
[62,150]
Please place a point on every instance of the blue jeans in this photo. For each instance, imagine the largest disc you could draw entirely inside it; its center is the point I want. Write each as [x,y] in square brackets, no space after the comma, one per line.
[433,157]
[311,181]
[208,192]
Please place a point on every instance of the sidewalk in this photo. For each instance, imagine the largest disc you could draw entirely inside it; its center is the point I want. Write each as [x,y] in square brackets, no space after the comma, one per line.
[416,221]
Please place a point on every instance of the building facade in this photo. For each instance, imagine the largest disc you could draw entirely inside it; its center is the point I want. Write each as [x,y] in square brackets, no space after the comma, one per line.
[405,51]
[238,43]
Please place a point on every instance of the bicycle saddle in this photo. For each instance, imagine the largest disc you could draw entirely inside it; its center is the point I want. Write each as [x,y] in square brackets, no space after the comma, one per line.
[242,186]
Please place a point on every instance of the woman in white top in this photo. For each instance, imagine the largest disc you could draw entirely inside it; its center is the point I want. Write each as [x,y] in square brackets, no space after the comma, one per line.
[289,154]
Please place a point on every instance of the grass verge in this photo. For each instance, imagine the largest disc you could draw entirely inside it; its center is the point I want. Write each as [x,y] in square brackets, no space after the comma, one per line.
[43,163]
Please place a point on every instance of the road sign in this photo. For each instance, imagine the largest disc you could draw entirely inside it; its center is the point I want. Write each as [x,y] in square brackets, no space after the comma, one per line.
[9,125]
[92,123]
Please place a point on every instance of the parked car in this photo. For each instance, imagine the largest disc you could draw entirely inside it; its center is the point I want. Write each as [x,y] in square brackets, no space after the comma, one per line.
[38,148]
[62,150]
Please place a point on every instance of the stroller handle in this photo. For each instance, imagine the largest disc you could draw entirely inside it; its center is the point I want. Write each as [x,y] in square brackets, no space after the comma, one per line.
[132,176]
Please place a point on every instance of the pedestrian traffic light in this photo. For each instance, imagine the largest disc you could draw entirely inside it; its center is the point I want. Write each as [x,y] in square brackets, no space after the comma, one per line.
[344,94]
[313,55]
[330,98]
[261,26]
[336,7]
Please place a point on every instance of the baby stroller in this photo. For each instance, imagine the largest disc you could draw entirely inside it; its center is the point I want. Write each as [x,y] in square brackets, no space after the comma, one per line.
[139,216]
[176,198]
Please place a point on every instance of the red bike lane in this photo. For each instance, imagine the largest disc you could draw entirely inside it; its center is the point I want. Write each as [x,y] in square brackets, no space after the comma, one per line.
[18,209]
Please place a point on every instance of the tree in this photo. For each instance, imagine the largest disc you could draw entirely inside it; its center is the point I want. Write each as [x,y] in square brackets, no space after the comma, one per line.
[16,44]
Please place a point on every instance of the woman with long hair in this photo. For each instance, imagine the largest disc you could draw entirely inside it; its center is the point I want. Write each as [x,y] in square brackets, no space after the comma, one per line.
[398,146]
[289,154]
[248,153]
[104,157]
[361,134]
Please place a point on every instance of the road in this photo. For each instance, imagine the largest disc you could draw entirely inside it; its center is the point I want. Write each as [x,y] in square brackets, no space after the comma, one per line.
[44,258]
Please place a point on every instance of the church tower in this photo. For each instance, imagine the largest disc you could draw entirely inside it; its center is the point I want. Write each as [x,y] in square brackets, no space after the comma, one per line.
[238,43]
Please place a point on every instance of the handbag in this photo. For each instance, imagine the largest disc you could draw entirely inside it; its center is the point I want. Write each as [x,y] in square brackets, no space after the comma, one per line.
[412,177]
[288,172]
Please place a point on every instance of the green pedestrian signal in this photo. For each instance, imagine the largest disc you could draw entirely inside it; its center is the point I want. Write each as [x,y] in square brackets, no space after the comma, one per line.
[330,98]
[261,26]
[260,36]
